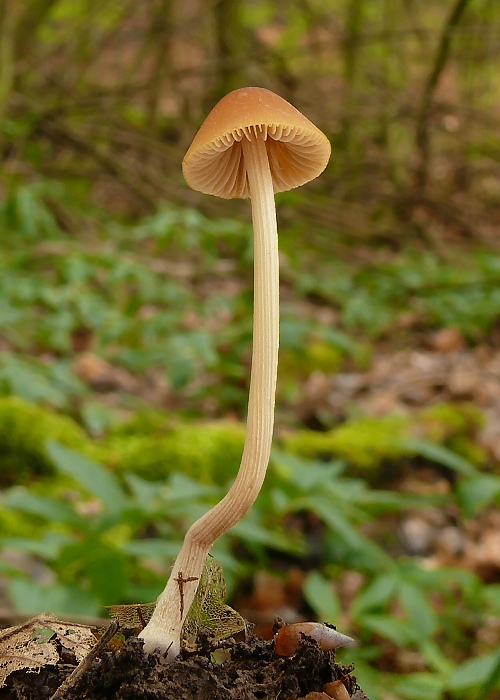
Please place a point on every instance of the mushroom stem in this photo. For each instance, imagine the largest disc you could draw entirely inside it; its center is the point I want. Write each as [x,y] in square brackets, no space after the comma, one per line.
[164,630]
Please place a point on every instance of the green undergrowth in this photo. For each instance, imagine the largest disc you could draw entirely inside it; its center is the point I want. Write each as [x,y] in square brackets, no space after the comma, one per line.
[368,444]
[110,289]
[24,429]
[155,445]
[101,505]
[208,452]
[111,540]
[461,292]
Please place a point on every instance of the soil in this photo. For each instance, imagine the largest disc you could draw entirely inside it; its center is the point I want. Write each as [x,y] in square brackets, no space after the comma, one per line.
[247,670]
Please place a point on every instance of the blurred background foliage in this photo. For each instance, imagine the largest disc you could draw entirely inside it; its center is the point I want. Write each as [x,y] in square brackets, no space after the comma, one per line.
[125,321]
[107,95]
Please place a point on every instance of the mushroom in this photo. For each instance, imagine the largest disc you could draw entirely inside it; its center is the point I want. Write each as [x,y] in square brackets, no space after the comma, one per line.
[252,144]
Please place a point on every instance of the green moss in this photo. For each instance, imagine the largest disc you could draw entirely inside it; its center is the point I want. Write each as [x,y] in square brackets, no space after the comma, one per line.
[24,429]
[323,357]
[365,443]
[296,364]
[14,523]
[148,422]
[446,420]
[456,426]
[469,450]
[210,453]
[153,447]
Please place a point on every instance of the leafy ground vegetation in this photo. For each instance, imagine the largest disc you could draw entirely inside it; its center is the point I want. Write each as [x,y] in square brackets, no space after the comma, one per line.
[125,325]
[123,369]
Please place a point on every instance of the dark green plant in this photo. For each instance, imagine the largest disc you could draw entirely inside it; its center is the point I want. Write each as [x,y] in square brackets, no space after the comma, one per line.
[99,535]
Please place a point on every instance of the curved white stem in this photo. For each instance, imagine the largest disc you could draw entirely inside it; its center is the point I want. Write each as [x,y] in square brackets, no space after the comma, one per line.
[164,629]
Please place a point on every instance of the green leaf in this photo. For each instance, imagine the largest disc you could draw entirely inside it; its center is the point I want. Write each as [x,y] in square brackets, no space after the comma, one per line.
[252,532]
[368,677]
[101,568]
[439,454]
[107,573]
[162,550]
[49,547]
[477,492]
[322,598]
[376,594]
[367,551]
[42,635]
[398,631]
[50,509]
[31,597]
[387,501]
[436,657]
[419,686]
[28,381]
[183,488]
[491,597]
[422,618]
[146,494]
[92,476]
[303,473]
[97,418]
[493,679]
[474,672]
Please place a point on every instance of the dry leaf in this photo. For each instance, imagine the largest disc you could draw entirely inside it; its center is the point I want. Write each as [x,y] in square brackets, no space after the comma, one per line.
[208,610]
[35,643]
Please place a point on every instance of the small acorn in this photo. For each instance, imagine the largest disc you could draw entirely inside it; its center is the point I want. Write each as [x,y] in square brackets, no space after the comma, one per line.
[288,639]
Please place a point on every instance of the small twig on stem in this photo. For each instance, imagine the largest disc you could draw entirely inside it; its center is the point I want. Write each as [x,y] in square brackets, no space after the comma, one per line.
[180,582]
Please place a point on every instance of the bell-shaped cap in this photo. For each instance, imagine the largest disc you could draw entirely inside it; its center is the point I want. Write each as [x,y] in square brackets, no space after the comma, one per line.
[297,150]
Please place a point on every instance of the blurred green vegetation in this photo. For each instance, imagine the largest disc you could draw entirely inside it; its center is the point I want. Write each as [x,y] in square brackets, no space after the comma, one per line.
[106,534]
[125,314]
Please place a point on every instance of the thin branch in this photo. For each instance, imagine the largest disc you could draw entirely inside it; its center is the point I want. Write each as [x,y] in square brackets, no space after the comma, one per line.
[71,681]
[422,138]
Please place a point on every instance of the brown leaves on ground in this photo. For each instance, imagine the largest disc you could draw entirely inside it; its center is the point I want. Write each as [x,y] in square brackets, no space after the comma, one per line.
[42,641]
[408,380]
[102,376]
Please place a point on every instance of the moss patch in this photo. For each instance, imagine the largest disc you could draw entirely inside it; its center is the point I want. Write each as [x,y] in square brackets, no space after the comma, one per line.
[364,443]
[209,453]
[24,428]
[368,443]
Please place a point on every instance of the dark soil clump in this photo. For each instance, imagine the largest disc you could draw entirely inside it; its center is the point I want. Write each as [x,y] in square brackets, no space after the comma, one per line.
[247,671]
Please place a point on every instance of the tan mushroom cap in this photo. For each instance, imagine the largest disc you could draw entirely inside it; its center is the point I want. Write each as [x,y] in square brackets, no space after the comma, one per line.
[297,150]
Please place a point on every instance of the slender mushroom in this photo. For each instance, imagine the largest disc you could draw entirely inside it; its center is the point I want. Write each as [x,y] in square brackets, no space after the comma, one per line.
[252,144]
